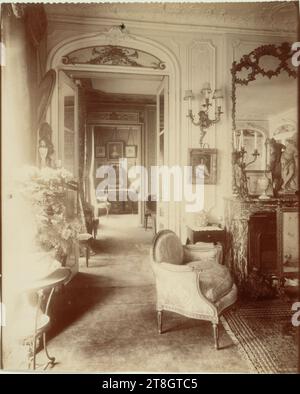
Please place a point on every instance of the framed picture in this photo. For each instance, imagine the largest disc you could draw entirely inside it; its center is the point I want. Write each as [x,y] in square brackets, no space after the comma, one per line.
[204,160]
[259,183]
[130,151]
[115,150]
[100,151]
[288,240]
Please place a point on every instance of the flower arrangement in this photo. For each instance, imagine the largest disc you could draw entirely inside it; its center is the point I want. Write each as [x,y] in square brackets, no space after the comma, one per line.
[47,190]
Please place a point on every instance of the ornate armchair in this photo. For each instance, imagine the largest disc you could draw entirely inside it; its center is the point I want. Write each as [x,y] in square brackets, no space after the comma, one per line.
[190,281]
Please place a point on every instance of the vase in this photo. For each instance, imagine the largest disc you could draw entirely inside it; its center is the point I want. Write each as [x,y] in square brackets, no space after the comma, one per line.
[264,184]
[202,219]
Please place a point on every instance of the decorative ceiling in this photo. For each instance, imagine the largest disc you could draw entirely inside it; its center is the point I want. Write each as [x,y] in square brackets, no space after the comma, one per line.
[275,16]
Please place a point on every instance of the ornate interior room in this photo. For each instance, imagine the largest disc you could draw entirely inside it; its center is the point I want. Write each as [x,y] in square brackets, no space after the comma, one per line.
[124,262]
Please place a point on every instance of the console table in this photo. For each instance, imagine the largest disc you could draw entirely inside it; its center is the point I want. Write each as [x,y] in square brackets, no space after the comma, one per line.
[211,233]
[44,289]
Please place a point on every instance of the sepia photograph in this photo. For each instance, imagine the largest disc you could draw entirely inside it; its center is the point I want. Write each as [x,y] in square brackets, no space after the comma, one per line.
[114,261]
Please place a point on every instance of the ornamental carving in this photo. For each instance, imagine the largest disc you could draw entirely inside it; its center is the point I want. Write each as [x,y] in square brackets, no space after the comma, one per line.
[245,71]
[114,56]
[252,62]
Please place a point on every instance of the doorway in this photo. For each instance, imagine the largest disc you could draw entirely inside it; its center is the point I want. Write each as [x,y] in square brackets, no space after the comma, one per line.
[125,119]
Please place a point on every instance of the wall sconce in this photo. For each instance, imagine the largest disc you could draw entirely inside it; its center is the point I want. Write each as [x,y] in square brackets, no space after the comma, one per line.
[204,121]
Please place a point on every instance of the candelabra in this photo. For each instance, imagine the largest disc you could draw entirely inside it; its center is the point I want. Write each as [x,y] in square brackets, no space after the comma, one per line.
[240,165]
[204,120]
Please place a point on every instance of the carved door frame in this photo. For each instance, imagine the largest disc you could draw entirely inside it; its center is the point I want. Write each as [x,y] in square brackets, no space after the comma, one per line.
[115,36]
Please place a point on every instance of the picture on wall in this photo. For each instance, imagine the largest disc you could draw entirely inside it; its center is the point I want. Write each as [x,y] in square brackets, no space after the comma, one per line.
[130,151]
[207,159]
[115,150]
[100,151]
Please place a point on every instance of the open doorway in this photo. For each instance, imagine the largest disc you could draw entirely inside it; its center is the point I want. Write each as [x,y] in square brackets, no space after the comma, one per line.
[121,117]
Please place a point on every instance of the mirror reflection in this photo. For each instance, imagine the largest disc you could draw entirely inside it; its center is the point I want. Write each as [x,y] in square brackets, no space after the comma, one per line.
[265,117]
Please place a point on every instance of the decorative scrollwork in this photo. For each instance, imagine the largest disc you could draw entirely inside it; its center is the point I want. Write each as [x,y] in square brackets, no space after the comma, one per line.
[113,55]
[251,62]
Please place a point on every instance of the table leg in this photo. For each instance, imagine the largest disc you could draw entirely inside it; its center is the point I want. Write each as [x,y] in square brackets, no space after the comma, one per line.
[87,255]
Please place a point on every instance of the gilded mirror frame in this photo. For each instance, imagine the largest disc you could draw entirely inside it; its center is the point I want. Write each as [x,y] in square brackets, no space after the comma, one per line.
[251,62]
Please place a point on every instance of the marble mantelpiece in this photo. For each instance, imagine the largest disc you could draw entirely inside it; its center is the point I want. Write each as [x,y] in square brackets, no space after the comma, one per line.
[237,215]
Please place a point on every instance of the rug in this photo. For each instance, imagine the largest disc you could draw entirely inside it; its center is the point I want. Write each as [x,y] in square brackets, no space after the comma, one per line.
[263,332]
[106,319]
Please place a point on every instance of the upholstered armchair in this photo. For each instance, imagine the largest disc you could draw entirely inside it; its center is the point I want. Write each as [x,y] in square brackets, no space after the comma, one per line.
[190,280]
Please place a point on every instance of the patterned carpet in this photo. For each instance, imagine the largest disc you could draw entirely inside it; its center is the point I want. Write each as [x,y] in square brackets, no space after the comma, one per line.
[265,336]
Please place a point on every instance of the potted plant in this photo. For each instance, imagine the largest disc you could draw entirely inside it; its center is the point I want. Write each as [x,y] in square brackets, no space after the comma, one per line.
[46,189]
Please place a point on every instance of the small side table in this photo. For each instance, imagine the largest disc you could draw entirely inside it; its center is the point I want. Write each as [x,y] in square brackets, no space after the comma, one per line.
[207,234]
[44,289]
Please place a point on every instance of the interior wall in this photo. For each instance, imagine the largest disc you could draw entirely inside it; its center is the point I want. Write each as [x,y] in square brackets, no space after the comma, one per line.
[127,134]
[202,57]
[82,120]
[150,139]
[145,115]
[20,75]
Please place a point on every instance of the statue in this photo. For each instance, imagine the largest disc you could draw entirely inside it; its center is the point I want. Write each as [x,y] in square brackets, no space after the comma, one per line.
[275,151]
[289,170]
[45,148]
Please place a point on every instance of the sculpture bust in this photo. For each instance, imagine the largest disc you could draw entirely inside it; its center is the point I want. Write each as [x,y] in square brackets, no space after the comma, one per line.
[45,148]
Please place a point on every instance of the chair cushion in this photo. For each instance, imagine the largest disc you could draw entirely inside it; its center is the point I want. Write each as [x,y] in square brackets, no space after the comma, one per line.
[167,248]
[214,279]
[200,252]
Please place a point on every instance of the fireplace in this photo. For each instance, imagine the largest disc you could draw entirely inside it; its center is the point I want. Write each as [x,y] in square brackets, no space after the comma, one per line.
[262,243]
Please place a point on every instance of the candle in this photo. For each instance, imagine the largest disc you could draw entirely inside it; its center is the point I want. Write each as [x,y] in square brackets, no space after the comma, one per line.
[266,153]
[242,139]
[234,141]
[255,140]
[218,97]
[188,96]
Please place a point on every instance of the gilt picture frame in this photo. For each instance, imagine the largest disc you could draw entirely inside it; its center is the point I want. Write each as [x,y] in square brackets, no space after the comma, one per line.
[207,159]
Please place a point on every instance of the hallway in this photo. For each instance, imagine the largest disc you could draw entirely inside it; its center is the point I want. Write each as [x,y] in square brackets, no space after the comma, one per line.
[106,320]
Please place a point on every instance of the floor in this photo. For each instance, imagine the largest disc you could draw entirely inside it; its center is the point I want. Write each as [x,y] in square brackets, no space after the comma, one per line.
[107,320]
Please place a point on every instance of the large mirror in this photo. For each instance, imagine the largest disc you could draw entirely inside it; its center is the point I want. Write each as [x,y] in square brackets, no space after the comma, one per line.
[264,96]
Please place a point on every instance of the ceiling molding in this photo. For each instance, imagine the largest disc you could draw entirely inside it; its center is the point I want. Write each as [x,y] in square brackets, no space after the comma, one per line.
[170,27]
